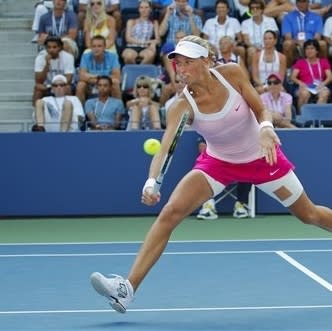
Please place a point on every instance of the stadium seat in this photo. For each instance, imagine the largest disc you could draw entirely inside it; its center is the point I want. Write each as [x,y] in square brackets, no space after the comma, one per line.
[317,115]
[130,72]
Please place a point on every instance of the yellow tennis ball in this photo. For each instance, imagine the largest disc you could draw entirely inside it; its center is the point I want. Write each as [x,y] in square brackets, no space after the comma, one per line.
[151,146]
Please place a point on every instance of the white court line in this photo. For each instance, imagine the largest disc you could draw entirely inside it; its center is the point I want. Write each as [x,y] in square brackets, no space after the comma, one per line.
[171,241]
[152,310]
[165,253]
[305,270]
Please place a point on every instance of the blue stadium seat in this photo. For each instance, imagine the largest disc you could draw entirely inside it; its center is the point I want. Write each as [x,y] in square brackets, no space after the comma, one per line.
[316,115]
[130,72]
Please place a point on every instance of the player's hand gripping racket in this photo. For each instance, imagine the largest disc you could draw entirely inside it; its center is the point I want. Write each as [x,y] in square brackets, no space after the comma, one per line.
[169,156]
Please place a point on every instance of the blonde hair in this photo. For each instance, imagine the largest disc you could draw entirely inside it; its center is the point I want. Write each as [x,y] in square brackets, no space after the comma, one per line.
[145,80]
[91,19]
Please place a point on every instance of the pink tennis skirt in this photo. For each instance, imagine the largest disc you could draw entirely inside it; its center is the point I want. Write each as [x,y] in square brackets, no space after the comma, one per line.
[255,172]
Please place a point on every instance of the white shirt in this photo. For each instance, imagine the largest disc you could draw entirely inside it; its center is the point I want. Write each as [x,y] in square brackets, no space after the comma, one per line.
[53,107]
[215,31]
[64,64]
[328,28]
[256,32]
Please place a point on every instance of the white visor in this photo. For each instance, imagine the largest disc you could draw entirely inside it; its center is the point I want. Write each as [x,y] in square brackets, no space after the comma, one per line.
[189,49]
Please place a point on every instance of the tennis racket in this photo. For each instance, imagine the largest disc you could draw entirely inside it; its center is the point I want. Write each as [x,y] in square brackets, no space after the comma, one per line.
[169,156]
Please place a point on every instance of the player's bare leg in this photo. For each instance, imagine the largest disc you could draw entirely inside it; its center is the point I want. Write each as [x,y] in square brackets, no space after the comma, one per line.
[309,213]
[190,193]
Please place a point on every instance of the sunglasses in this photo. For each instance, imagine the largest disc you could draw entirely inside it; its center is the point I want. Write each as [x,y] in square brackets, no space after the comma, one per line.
[96,3]
[144,86]
[273,82]
[59,85]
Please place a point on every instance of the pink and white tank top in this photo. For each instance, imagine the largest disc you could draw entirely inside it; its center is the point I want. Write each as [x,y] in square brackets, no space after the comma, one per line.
[232,134]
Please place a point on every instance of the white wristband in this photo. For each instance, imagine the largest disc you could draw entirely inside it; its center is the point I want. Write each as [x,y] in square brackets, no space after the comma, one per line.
[265,124]
[149,183]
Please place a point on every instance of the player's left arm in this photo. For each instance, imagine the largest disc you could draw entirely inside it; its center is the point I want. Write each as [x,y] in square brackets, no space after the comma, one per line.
[268,138]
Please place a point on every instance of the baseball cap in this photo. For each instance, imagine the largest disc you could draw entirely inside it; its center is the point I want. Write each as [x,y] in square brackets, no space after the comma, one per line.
[189,49]
[275,75]
[60,78]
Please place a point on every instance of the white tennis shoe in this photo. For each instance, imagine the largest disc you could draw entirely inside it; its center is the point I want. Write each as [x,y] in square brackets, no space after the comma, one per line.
[116,289]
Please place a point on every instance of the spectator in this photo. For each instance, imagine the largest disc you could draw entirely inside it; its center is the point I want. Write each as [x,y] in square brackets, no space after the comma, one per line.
[240,210]
[62,23]
[312,74]
[328,35]
[112,8]
[98,23]
[253,29]
[41,8]
[179,16]
[300,25]
[51,62]
[58,112]
[104,112]
[267,61]
[278,9]
[98,62]
[226,55]
[223,25]
[143,110]
[278,102]
[141,36]
[179,85]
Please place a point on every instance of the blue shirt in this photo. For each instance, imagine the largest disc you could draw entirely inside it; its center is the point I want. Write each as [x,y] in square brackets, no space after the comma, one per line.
[294,22]
[105,112]
[105,68]
[60,25]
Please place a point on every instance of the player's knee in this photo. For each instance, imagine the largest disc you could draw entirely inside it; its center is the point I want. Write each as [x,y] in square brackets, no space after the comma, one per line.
[309,216]
[173,213]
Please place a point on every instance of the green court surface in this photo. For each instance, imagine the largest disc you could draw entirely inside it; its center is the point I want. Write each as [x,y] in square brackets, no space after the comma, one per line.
[115,229]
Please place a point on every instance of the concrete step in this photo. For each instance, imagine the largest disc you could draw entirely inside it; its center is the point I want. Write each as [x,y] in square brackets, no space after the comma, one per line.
[20,8]
[16,126]
[10,23]
[19,86]
[16,73]
[15,36]
[17,114]
[7,61]
[16,97]
[19,48]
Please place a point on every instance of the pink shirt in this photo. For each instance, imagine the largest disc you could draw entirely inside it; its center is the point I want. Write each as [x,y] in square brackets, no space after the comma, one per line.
[307,70]
[278,105]
[232,134]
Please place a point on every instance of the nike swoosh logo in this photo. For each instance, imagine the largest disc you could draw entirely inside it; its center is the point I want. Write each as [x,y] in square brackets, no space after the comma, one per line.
[237,108]
[274,172]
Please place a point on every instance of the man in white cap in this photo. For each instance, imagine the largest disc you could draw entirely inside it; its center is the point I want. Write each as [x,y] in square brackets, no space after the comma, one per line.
[58,112]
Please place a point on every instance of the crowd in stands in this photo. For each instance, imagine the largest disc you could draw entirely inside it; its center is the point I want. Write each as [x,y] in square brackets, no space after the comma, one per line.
[284,46]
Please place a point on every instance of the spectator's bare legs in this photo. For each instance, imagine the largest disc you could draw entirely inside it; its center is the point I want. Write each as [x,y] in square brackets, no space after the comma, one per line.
[81,91]
[135,117]
[155,116]
[39,113]
[309,213]
[323,95]
[288,48]
[251,50]
[241,52]
[39,91]
[129,56]
[66,116]
[303,97]
[116,89]
[192,191]
[148,55]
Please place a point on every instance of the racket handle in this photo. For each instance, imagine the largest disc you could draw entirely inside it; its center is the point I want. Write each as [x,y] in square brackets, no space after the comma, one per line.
[156,186]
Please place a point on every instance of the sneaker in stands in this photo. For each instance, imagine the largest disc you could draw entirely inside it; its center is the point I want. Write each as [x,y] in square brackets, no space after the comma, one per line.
[240,211]
[35,38]
[208,211]
[116,289]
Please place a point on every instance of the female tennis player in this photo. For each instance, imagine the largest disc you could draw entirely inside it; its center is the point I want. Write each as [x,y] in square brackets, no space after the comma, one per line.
[242,146]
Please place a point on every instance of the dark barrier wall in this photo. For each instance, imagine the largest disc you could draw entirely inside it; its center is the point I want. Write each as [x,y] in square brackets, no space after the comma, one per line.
[103,173]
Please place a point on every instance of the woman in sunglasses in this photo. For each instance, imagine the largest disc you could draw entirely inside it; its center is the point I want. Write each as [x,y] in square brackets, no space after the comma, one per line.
[278,102]
[143,110]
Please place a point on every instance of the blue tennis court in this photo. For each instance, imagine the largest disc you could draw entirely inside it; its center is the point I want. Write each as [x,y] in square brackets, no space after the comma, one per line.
[197,285]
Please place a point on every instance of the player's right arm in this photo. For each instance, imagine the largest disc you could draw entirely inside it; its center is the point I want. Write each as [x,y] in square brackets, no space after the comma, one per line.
[173,119]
